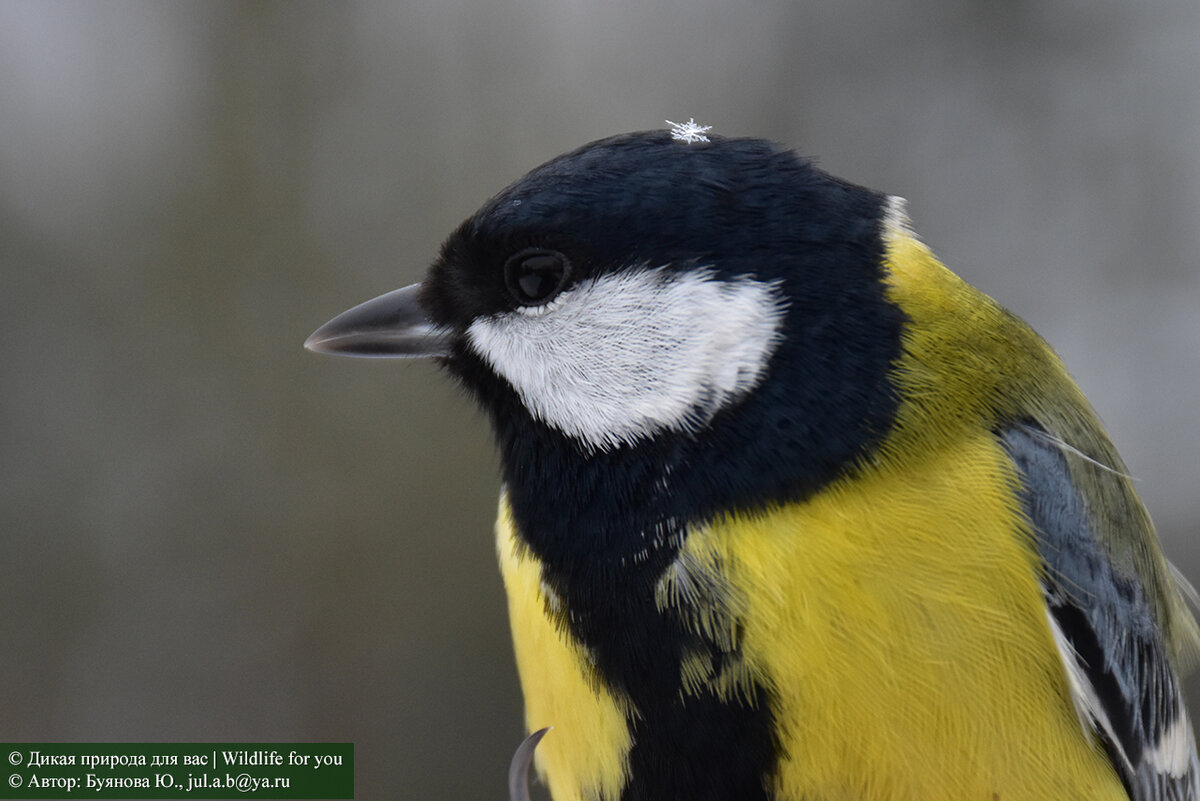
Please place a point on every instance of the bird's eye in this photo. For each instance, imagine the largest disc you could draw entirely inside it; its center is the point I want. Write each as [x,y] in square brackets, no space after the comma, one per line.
[535,276]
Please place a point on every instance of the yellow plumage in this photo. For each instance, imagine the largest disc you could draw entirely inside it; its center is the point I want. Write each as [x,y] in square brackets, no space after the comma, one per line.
[590,738]
[896,616]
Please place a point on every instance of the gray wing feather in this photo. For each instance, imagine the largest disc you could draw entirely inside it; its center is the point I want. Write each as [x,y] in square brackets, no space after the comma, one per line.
[1113,649]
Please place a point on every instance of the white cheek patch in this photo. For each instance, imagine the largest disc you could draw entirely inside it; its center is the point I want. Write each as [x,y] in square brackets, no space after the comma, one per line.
[620,357]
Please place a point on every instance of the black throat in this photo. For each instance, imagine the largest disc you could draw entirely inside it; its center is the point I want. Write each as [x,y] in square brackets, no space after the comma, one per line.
[605,525]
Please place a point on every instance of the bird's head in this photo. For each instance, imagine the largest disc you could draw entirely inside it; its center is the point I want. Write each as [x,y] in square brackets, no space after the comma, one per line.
[723,295]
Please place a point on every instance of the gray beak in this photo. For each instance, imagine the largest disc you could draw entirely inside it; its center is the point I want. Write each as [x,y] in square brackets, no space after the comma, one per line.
[389,326]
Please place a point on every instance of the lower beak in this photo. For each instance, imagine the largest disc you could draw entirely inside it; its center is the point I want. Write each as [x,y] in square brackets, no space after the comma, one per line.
[389,326]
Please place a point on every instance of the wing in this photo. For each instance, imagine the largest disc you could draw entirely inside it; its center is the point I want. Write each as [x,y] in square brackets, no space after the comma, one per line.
[1116,656]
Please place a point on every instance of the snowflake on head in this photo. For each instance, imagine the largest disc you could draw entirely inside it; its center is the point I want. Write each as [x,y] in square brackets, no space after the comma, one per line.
[690,131]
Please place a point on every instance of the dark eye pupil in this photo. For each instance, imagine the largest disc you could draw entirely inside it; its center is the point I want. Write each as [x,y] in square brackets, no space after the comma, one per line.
[535,277]
[539,276]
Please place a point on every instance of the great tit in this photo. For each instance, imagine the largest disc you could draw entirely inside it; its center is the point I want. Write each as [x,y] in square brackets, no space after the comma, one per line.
[790,511]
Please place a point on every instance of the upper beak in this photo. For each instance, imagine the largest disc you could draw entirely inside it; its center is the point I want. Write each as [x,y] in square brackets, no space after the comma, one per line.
[389,326]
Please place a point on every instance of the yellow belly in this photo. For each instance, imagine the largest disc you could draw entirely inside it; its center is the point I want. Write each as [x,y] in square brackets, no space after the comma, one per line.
[898,623]
[583,757]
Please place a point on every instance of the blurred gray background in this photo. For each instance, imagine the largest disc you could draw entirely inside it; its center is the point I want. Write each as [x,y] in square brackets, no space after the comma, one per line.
[211,534]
